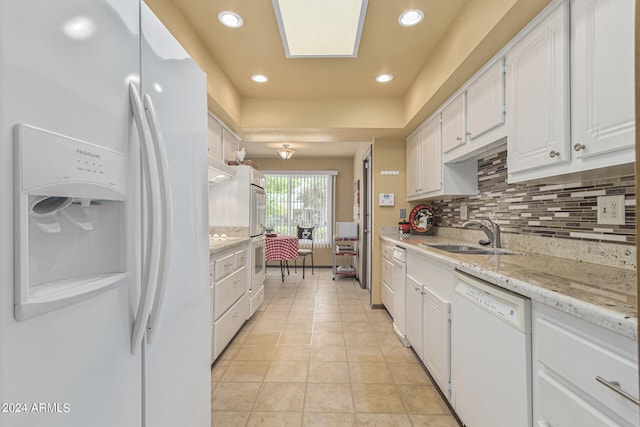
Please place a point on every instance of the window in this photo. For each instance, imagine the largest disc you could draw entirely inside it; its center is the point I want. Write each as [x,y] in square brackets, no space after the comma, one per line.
[301,198]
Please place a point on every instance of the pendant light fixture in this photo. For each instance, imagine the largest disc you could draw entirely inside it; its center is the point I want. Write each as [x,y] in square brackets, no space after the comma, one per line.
[285,152]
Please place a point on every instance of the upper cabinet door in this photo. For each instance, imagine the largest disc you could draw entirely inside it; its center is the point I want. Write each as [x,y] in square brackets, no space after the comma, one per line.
[485,102]
[230,143]
[215,139]
[602,67]
[430,155]
[413,165]
[453,124]
[538,95]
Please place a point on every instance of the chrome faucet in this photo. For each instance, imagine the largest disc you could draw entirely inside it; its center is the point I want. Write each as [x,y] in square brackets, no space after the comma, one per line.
[493,235]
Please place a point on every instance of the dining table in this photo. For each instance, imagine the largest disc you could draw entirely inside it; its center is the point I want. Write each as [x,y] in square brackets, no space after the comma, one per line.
[281,248]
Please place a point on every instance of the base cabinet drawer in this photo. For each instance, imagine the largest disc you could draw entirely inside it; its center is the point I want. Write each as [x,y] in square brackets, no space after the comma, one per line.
[571,359]
[223,266]
[228,290]
[387,251]
[559,406]
[387,298]
[256,299]
[228,324]
[387,271]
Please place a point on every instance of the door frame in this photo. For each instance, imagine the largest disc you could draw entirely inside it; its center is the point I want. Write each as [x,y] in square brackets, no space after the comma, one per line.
[365,274]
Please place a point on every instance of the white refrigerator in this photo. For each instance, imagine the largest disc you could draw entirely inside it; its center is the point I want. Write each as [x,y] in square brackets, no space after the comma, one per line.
[104,293]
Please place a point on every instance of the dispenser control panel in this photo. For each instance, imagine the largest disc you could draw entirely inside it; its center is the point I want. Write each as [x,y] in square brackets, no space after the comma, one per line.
[76,168]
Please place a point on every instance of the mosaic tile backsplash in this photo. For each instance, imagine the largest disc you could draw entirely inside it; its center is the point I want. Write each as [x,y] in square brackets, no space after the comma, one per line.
[567,211]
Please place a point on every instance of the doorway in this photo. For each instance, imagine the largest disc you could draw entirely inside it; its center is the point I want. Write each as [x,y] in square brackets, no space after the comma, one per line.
[365,274]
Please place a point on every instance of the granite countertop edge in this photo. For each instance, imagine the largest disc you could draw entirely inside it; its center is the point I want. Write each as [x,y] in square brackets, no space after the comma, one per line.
[217,246]
[608,318]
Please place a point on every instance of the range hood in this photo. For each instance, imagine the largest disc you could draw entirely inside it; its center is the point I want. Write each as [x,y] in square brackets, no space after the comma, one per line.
[218,171]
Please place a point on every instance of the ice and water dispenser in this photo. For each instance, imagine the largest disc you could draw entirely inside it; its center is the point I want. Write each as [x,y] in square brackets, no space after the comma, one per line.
[71,221]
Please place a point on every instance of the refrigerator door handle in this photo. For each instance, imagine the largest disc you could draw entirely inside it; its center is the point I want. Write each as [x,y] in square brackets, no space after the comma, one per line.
[154,217]
[167,218]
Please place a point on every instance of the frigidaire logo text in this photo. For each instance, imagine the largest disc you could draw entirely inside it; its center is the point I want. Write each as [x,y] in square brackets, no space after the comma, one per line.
[87,153]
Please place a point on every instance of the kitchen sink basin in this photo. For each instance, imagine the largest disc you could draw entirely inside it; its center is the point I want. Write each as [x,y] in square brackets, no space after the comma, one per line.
[471,250]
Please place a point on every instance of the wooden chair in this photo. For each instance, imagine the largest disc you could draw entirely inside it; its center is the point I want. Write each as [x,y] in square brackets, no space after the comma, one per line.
[305,234]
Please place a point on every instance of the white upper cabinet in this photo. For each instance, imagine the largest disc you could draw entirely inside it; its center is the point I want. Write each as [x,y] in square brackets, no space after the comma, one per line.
[431,157]
[453,124]
[413,166]
[231,143]
[538,96]
[427,176]
[485,102]
[602,80]
[214,138]
[474,120]
[561,134]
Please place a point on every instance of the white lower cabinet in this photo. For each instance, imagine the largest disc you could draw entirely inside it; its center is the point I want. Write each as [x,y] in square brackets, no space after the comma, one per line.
[256,298]
[572,361]
[225,327]
[229,300]
[414,314]
[387,277]
[436,338]
[429,291]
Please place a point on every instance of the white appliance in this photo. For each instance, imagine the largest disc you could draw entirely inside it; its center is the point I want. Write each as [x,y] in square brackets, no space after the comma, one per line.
[347,230]
[104,254]
[399,284]
[490,355]
[241,203]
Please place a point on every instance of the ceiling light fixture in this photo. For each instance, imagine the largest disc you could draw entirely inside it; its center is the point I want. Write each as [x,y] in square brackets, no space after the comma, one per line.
[259,78]
[230,19]
[410,17]
[285,152]
[384,78]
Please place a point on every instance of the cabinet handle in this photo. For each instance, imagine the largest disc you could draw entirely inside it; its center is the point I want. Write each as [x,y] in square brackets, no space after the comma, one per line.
[459,138]
[554,153]
[468,135]
[615,386]
[579,147]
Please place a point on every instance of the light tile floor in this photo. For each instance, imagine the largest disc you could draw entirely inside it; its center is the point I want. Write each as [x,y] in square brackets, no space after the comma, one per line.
[315,354]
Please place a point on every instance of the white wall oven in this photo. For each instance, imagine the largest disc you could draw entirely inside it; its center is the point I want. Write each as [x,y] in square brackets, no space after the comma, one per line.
[258,216]
[257,261]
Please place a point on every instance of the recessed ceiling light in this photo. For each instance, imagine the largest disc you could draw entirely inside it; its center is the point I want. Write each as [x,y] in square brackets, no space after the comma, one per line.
[410,17]
[230,19]
[383,78]
[259,78]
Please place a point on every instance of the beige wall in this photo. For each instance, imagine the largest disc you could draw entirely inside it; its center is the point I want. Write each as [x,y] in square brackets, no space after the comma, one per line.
[482,28]
[344,187]
[386,156]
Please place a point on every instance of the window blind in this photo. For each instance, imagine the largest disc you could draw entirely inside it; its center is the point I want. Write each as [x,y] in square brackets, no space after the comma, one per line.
[301,198]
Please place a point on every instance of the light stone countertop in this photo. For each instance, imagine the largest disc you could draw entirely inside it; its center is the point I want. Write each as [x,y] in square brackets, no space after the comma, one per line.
[602,295]
[217,246]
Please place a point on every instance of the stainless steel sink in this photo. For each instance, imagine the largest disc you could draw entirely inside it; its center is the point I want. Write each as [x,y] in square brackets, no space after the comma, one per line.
[471,250]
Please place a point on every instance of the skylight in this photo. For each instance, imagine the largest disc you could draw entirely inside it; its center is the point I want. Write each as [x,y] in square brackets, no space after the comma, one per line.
[327,28]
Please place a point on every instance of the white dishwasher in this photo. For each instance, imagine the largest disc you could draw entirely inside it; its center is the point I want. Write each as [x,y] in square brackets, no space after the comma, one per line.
[490,355]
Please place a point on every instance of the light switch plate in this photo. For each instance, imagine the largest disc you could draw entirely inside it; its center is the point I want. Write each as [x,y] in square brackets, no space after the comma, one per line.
[611,210]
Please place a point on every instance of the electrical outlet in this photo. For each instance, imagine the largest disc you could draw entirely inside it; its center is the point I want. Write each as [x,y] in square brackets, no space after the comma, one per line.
[403,213]
[611,210]
[463,211]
